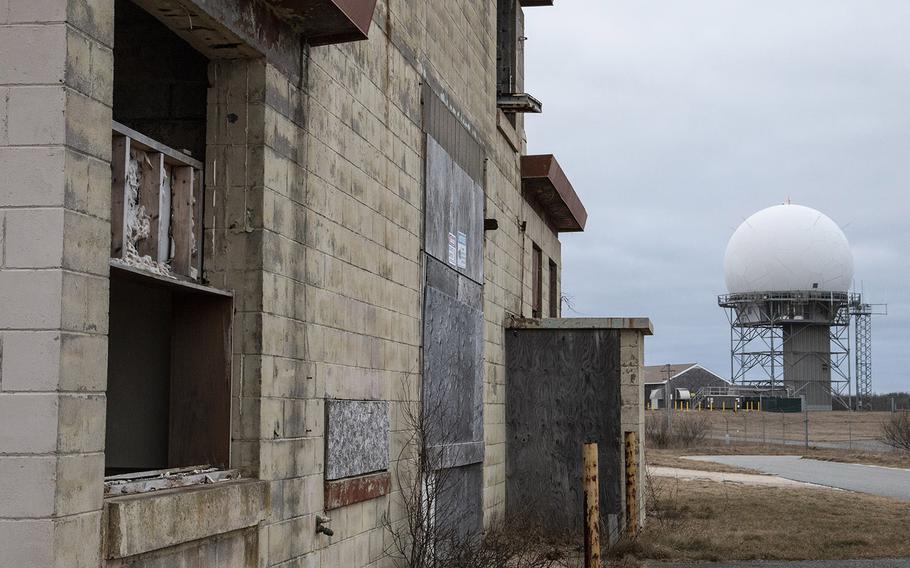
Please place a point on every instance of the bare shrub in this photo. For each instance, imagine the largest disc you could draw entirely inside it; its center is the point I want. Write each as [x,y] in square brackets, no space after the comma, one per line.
[896,431]
[426,532]
[683,432]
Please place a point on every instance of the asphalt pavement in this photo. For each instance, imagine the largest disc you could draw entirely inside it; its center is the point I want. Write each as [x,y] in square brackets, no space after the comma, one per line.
[884,481]
[877,563]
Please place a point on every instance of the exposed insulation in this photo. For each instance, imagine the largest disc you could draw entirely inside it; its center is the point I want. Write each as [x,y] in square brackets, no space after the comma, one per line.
[138,223]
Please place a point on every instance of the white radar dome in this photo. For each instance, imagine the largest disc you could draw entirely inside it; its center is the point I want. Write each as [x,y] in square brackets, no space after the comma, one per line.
[788,248]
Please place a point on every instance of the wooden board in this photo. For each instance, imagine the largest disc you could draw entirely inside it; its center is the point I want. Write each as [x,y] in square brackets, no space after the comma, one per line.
[120,162]
[151,167]
[200,424]
[562,391]
[182,189]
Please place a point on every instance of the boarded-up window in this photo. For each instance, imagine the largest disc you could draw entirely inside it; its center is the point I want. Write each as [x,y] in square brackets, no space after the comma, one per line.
[554,290]
[536,282]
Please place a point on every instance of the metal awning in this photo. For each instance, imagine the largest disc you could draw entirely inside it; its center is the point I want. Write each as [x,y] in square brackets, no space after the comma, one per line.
[323,22]
[544,182]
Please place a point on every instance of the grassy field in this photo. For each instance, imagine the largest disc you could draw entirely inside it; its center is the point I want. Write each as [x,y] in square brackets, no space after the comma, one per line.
[715,521]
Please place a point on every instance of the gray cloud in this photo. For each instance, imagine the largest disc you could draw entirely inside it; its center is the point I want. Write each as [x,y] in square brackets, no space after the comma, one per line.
[676,120]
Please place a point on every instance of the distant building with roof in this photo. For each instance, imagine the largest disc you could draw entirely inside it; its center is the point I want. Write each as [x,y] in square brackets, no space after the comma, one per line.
[685,381]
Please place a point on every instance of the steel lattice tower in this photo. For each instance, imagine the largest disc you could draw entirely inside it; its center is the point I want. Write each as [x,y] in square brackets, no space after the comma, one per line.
[862,321]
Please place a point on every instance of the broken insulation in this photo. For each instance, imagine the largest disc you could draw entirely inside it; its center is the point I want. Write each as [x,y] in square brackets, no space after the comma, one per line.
[138,223]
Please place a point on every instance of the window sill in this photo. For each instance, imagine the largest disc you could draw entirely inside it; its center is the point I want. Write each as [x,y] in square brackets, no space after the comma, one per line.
[183,514]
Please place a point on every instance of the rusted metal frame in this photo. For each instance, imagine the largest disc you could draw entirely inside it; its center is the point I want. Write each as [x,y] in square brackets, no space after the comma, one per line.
[343,492]
[543,178]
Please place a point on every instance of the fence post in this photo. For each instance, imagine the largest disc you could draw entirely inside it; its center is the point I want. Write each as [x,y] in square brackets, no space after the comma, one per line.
[806,413]
[592,506]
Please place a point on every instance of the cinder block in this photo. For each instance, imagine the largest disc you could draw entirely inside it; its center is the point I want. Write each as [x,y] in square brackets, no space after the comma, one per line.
[78,541]
[78,62]
[29,423]
[32,54]
[24,11]
[88,125]
[31,176]
[81,423]
[34,238]
[27,544]
[31,361]
[87,243]
[27,487]
[83,362]
[36,116]
[84,303]
[94,17]
[79,487]
[30,299]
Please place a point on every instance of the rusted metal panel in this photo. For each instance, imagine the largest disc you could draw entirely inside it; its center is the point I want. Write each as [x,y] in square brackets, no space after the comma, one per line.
[563,390]
[544,182]
[441,123]
[343,492]
[323,22]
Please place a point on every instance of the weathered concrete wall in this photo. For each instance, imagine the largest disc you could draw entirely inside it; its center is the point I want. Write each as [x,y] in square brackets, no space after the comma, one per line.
[314,198]
[55,111]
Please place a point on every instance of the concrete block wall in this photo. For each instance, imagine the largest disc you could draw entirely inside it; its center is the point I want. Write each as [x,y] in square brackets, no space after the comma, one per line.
[55,109]
[632,411]
[313,219]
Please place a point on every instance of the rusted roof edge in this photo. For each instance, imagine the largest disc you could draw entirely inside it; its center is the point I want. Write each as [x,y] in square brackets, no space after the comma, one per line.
[546,167]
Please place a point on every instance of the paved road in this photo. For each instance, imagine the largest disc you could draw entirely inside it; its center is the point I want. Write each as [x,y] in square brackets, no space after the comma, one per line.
[896,563]
[888,482]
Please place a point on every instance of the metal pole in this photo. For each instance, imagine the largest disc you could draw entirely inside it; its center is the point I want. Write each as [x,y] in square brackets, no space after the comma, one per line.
[806,414]
[592,506]
[850,433]
[667,400]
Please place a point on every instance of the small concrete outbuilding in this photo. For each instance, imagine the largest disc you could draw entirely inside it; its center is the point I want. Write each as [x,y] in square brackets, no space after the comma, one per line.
[686,379]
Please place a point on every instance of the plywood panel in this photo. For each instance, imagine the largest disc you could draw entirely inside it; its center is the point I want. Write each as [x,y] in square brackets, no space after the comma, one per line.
[563,390]
[454,214]
[200,381]
[453,380]
[357,438]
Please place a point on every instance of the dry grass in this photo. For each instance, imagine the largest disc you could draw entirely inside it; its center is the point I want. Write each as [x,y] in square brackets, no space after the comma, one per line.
[714,521]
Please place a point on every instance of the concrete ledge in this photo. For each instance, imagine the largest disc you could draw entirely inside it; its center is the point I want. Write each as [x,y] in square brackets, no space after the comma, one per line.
[345,492]
[141,523]
[456,455]
[636,324]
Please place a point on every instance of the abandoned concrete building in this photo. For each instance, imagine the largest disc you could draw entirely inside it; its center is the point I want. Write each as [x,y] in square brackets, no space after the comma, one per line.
[240,238]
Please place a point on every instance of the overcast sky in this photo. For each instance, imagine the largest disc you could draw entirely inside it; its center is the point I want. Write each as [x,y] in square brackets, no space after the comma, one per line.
[677,119]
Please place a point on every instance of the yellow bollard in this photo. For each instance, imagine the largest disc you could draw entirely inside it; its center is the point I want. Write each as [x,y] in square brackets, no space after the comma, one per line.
[723,407]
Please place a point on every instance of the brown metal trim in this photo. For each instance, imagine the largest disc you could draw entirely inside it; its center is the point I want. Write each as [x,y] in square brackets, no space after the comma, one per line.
[324,22]
[352,490]
[543,181]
